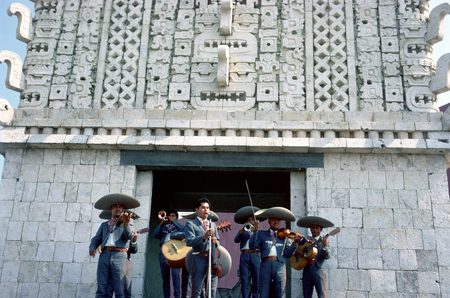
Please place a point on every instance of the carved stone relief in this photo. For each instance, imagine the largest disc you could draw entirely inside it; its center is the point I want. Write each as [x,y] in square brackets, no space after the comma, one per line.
[24,31]
[15,79]
[285,55]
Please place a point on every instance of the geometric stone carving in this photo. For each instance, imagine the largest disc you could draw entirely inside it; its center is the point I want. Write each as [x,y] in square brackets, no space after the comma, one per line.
[15,80]
[440,82]
[6,112]
[436,23]
[223,69]
[421,99]
[226,17]
[24,31]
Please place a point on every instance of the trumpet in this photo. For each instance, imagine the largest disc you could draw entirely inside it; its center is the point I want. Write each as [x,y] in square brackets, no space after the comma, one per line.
[248,227]
[162,215]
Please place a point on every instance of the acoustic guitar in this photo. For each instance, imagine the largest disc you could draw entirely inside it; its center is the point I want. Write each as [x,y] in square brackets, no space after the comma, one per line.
[308,251]
[175,251]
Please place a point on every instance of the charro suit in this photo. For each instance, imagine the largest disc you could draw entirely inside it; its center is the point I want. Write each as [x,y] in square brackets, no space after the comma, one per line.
[314,274]
[128,277]
[272,272]
[249,264]
[194,233]
[112,265]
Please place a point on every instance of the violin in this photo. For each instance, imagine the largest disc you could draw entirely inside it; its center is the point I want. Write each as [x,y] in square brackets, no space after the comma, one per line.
[115,221]
[283,233]
[216,267]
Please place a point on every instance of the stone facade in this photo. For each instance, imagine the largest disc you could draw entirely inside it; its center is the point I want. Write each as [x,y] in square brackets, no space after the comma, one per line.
[354,81]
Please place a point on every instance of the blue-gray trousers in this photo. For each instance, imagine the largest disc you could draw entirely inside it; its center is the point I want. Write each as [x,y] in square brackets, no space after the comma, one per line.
[314,276]
[111,266]
[199,276]
[249,268]
[271,274]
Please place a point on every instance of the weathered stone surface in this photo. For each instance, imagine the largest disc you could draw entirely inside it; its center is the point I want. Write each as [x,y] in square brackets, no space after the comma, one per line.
[378,218]
[71,273]
[429,282]
[358,280]
[347,258]
[28,290]
[391,260]
[407,282]
[45,251]
[28,272]
[383,281]
[408,259]
[370,259]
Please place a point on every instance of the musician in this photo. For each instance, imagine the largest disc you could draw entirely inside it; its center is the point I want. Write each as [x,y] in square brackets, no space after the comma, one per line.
[169,228]
[274,253]
[106,214]
[197,232]
[314,272]
[249,261]
[113,237]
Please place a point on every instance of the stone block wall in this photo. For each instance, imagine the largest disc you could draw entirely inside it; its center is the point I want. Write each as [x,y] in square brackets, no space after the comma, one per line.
[48,219]
[393,210]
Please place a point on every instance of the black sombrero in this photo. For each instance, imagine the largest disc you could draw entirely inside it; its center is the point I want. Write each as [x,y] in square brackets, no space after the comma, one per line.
[244,213]
[276,212]
[307,221]
[107,214]
[128,202]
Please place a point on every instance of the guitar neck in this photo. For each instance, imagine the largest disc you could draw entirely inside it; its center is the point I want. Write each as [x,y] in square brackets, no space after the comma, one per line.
[332,233]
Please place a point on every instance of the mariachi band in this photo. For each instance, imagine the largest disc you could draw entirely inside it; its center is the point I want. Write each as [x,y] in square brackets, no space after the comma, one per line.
[195,250]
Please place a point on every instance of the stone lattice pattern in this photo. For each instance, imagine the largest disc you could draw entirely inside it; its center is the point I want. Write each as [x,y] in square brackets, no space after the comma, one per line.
[135,54]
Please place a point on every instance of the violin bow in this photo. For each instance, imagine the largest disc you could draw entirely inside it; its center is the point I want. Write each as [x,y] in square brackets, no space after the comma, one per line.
[250,197]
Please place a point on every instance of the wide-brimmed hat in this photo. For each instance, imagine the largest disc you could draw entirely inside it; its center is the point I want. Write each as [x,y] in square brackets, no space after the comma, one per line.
[128,202]
[107,214]
[193,215]
[307,221]
[275,212]
[244,213]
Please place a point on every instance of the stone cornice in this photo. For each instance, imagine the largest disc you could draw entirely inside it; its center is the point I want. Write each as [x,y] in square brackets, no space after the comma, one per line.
[252,131]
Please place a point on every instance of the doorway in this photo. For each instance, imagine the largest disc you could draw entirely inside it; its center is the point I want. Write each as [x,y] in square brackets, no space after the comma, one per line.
[227,192]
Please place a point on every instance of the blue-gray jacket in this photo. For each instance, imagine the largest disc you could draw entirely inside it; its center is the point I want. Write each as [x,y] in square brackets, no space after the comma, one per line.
[122,236]
[262,241]
[161,231]
[242,238]
[194,235]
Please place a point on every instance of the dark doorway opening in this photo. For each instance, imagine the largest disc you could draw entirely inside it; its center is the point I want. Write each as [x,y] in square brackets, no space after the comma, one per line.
[227,192]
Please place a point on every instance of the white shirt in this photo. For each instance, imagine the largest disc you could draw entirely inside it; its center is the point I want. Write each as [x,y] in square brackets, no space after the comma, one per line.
[273,249]
[110,241]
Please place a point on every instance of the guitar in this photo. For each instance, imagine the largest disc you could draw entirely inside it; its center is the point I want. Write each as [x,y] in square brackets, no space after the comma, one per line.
[175,251]
[308,251]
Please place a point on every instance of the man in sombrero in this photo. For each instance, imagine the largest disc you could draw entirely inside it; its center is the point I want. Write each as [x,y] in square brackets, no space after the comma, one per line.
[249,261]
[107,214]
[314,272]
[274,250]
[114,237]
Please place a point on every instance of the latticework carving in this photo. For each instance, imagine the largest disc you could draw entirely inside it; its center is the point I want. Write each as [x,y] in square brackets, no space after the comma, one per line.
[123,53]
[330,58]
